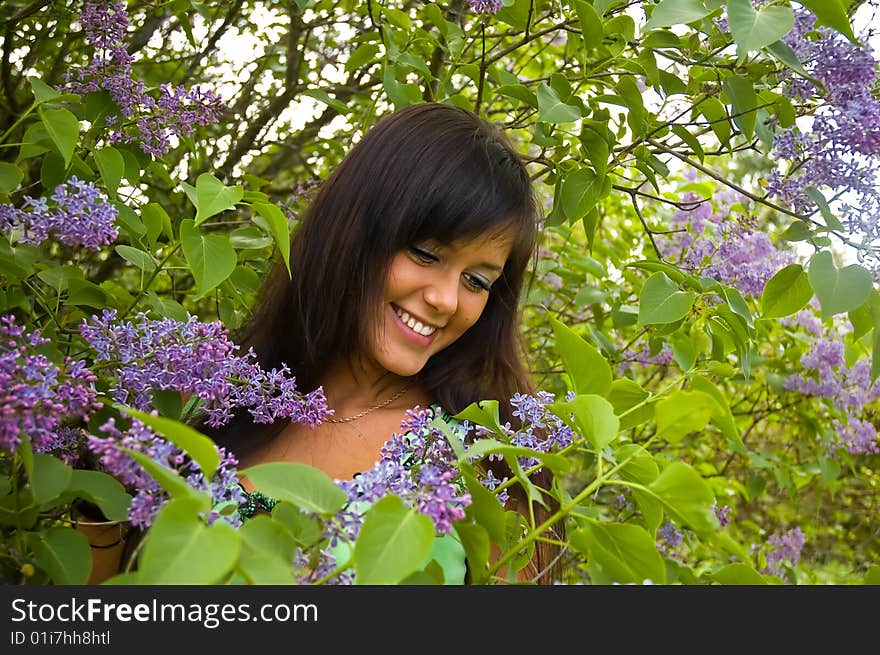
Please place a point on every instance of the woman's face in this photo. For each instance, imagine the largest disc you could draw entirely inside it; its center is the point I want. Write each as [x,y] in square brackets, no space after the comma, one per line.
[432,295]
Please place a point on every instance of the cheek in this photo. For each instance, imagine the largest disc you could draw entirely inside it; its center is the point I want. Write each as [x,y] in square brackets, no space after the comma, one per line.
[471,312]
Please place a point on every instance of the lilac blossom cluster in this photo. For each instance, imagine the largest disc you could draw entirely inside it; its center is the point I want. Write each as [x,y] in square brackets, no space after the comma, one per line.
[848,390]
[711,239]
[79,215]
[175,113]
[419,466]
[37,395]
[669,538]
[840,150]
[149,496]
[784,548]
[485,6]
[196,358]
[540,429]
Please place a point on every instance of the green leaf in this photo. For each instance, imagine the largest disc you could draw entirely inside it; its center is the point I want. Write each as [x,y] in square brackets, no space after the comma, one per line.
[661,301]
[300,484]
[838,290]
[305,529]
[684,412]
[638,466]
[626,552]
[590,22]
[101,489]
[182,550]
[111,165]
[280,229]
[744,101]
[625,395]
[393,542]
[687,497]
[324,97]
[169,479]
[267,549]
[676,12]
[210,256]
[738,574]
[213,197]
[786,293]
[482,447]
[833,14]
[157,222]
[42,91]
[63,553]
[137,257]
[475,540]
[10,177]
[831,220]
[581,190]
[483,413]
[593,418]
[724,417]
[552,110]
[63,129]
[199,447]
[485,508]
[784,53]
[589,371]
[754,29]
[49,478]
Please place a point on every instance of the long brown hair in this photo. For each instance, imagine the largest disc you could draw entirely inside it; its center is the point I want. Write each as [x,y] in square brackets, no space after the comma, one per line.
[427,171]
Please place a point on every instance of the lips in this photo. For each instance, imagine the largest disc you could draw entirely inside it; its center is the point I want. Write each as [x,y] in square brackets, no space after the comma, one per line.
[413,323]
[414,329]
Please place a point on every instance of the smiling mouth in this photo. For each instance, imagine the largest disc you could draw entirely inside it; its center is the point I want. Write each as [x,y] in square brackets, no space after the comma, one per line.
[424,329]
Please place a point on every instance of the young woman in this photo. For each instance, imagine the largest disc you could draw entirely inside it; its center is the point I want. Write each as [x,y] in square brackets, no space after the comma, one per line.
[406,275]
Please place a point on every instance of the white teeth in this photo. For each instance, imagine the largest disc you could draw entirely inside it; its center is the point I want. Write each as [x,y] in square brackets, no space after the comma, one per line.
[413,324]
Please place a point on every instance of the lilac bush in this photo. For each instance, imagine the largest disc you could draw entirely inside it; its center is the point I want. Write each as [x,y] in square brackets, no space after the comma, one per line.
[196,358]
[840,149]
[148,120]
[149,496]
[37,395]
[720,240]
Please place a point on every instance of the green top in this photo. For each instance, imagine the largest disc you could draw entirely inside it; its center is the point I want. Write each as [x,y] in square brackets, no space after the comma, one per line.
[446,550]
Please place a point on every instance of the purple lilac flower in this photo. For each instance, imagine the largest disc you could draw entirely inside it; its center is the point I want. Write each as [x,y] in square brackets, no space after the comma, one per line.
[177,110]
[196,358]
[418,465]
[840,150]
[79,215]
[37,395]
[669,537]
[722,513]
[67,444]
[149,496]
[847,390]
[485,6]
[715,241]
[783,548]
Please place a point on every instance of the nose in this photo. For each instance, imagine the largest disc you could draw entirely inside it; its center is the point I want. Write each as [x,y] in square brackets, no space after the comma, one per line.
[441,293]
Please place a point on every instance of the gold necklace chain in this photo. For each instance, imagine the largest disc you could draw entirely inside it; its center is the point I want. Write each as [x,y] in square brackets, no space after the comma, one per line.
[333,419]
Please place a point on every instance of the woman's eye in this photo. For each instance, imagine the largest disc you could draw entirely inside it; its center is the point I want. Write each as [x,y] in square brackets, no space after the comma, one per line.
[476,283]
[422,255]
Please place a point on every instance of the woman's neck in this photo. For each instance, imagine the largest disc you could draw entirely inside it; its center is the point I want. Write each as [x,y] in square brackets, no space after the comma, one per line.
[350,388]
